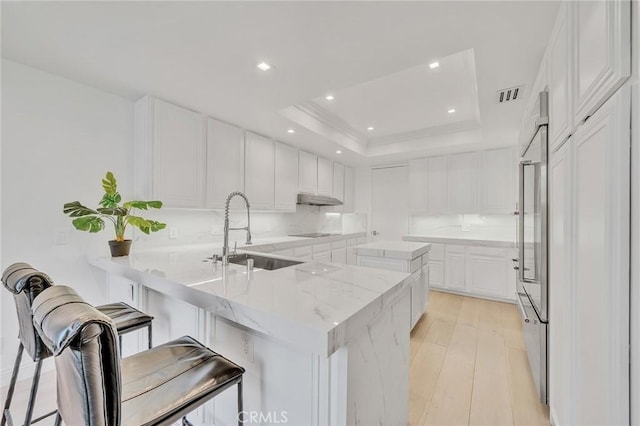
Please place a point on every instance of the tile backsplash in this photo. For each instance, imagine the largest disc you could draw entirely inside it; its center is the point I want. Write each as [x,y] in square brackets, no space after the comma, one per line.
[206,226]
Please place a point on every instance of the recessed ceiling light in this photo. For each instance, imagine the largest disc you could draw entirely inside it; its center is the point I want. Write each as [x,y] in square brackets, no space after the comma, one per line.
[451,111]
[264,66]
[338,152]
[434,65]
[370,128]
[329,97]
[291,131]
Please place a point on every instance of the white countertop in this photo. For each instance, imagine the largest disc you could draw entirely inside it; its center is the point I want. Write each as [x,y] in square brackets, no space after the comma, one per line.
[393,249]
[314,306]
[490,236]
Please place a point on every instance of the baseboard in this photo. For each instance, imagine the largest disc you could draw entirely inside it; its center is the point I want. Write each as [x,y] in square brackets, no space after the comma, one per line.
[552,417]
[27,369]
[469,294]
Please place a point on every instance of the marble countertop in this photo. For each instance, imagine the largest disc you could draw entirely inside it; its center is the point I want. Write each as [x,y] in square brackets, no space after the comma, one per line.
[316,307]
[496,237]
[393,249]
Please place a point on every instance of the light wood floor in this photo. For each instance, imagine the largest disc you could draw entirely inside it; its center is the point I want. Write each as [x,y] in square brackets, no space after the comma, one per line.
[468,367]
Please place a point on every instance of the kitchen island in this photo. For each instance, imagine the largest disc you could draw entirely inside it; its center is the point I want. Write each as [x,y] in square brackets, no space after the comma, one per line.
[323,344]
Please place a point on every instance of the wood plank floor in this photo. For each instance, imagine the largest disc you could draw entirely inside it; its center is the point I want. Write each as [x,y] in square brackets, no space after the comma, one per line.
[468,367]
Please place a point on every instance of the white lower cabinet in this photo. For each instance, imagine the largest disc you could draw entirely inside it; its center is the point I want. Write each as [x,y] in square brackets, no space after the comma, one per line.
[419,270]
[486,271]
[474,270]
[172,318]
[454,272]
[120,289]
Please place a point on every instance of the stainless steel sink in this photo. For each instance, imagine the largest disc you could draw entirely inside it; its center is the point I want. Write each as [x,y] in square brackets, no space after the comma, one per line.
[262,262]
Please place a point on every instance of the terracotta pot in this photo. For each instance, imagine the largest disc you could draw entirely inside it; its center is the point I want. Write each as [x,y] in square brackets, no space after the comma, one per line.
[120,248]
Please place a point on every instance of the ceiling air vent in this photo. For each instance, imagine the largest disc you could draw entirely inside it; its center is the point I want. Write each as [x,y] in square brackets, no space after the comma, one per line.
[509,94]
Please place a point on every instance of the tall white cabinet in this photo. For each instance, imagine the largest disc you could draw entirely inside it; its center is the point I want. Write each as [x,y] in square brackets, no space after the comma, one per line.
[260,171]
[286,177]
[589,270]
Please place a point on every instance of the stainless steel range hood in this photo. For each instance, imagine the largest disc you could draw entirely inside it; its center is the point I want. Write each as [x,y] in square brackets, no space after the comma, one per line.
[318,200]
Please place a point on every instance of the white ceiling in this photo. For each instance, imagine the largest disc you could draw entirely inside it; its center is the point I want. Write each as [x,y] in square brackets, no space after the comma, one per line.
[204,54]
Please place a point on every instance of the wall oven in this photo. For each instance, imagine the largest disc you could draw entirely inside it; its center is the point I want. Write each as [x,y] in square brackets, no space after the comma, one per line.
[532,286]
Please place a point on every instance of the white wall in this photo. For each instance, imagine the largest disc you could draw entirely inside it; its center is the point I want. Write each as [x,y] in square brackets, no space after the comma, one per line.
[58,139]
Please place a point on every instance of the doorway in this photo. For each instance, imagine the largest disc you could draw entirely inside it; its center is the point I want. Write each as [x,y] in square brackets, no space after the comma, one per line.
[390,202]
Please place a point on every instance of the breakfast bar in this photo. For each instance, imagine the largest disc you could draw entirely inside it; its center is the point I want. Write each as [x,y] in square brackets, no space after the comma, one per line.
[319,341]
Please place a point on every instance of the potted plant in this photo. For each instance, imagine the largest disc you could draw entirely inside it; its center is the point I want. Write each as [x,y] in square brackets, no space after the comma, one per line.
[90,220]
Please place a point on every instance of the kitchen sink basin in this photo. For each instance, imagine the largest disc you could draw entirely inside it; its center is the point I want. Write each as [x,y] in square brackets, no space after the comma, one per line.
[262,262]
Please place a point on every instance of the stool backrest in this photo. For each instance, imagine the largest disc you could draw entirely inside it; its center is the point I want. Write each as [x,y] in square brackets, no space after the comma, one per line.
[26,283]
[84,343]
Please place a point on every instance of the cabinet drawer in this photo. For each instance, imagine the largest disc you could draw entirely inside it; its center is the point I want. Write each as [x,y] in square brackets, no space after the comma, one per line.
[304,252]
[487,251]
[352,242]
[454,249]
[321,248]
[416,264]
[362,240]
[436,252]
[337,245]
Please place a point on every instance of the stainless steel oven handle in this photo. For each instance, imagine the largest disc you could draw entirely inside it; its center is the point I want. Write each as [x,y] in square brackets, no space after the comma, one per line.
[525,317]
[521,219]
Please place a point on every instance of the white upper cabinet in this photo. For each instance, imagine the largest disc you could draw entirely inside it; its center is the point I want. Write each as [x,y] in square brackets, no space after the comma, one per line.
[325,176]
[169,153]
[338,185]
[497,177]
[260,171]
[349,190]
[418,185]
[286,177]
[225,163]
[437,184]
[307,172]
[461,182]
[560,87]
[602,34]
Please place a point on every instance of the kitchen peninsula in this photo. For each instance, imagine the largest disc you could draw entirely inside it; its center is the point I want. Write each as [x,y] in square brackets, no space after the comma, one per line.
[322,343]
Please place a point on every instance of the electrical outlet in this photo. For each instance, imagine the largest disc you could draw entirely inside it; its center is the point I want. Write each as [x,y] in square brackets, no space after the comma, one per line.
[173,233]
[63,237]
[247,346]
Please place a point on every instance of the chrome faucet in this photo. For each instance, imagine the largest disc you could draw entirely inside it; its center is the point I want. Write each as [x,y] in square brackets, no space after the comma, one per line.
[225,247]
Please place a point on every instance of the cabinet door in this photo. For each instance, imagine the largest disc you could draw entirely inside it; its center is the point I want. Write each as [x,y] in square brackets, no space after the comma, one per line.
[560,90]
[461,182]
[323,257]
[497,192]
[603,52]
[339,256]
[560,304]
[437,184]
[307,173]
[260,171]
[349,190]
[436,273]
[173,318]
[120,289]
[417,307]
[486,271]
[286,177]
[454,273]
[418,185]
[178,155]
[225,163]
[338,185]
[325,176]
[600,219]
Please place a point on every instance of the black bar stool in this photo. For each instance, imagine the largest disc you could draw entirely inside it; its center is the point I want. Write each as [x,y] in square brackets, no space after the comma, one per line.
[154,387]
[26,283]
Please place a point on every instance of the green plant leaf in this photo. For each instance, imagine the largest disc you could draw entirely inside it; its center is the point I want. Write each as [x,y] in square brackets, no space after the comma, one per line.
[75,209]
[117,211]
[109,183]
[110,200]
[143,205]
[88,223]
[145,225]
